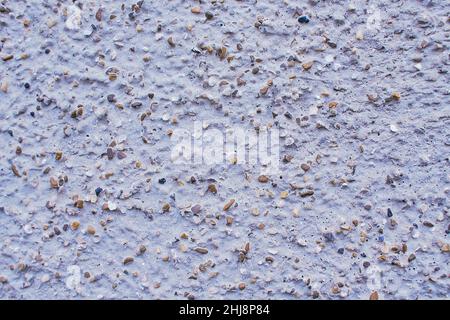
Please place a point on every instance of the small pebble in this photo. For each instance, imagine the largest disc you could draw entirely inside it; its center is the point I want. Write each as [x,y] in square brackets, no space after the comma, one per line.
[91,230]
[303,19]
[128,260]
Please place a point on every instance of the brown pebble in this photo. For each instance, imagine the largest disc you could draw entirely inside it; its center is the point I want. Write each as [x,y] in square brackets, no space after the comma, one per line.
[54,183]
[4,87]
[166,207]
[306,193]
[222,53]
[373,296]
[332,104]
[18,150]
[307,65]
[171,42]
[229,221]
[264,90]
[201,250]
[128,260]
[184,236]
[58,155]
[196,10]
[228,205]
[263,179]
[396,96]
[15,170]
[445,247]
[91,230]
[305,167]
[3,280]
[75,225]
[241,286]
[98,15]
[79,204]
[142,249]
[7,57]
[212,188]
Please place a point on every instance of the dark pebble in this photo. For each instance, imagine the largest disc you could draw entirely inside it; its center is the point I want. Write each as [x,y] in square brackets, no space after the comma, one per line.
[27,85]
[110,153]
[303,19]
[389,213]
[136,104]
[328,236]
[162,180]
[209,15]
[111,98]
[98,191]
[341,251]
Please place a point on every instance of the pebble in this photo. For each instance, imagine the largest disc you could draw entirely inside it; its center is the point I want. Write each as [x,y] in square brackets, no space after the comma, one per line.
[307,65]
[15,170]
[329,236]
[212,188]
[209,15]
[305,167]
[263,179]
[98,191]
[79,204]
[142,249]
[306,193]
[7,57]
[171,42]
[373,295]
[359,35]
[228,205]
[201,250]
[111,98]
[54,183]
[166,207]
[196,209]
[303,19]
[90,230]
[4,86]
[396,96]
[128,260]
[110,153]
[75,225]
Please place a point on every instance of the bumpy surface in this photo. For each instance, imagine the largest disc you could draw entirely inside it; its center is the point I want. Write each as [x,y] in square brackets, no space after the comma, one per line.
[91,205]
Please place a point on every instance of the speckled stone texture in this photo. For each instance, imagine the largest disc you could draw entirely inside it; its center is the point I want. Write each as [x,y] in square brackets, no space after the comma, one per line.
[92,206]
